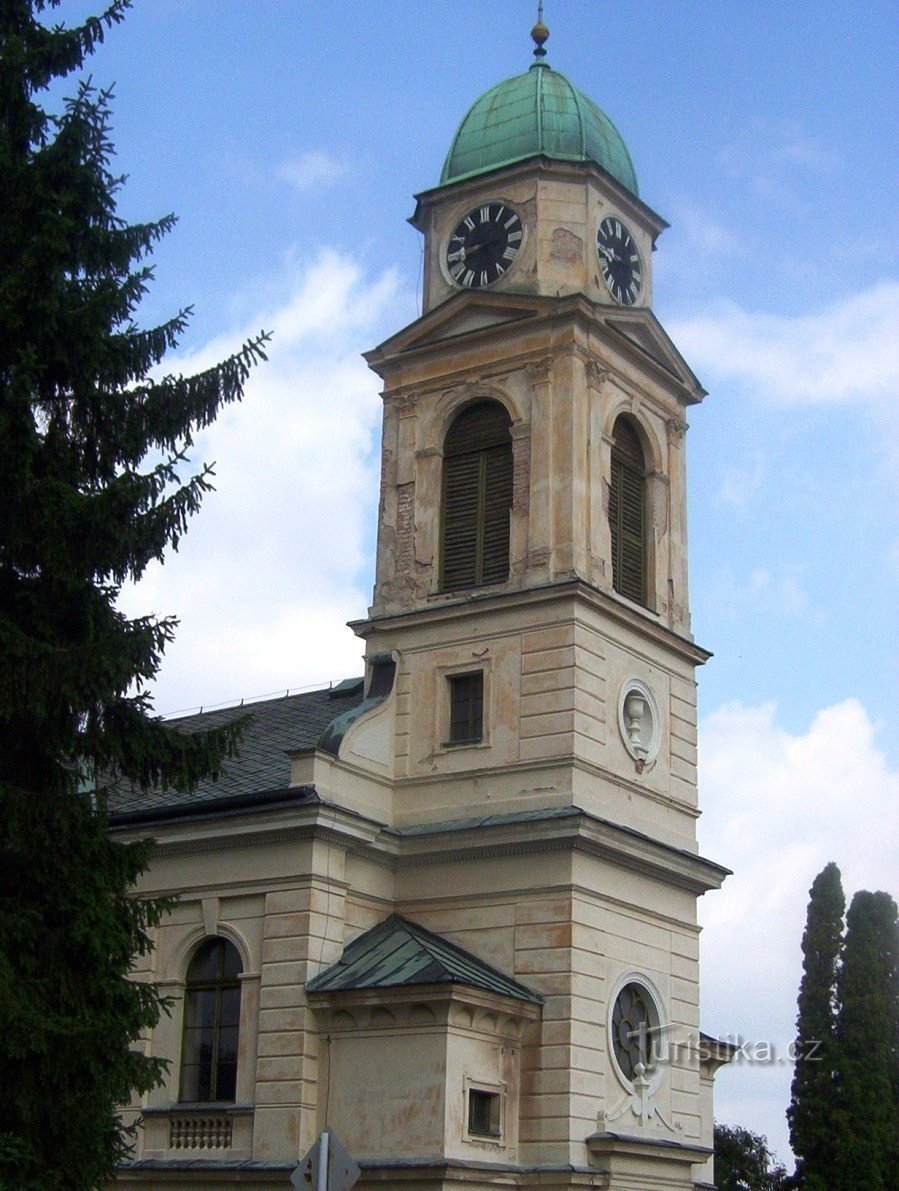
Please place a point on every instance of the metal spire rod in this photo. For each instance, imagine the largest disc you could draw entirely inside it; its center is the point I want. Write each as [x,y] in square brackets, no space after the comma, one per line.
[539,33]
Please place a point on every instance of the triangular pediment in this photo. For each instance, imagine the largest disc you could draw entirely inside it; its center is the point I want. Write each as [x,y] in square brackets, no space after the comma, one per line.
[643,330]
[470,313]
[462,314]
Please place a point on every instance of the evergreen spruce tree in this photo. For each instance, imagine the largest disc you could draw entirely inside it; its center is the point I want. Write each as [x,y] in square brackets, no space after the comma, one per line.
[91,451]
[811,1111]
[866,1036]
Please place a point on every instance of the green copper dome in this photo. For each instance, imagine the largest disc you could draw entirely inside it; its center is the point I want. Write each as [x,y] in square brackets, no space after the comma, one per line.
[538,112]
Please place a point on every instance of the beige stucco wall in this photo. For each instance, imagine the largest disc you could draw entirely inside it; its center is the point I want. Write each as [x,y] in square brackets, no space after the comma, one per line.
[560,207]
[563,407]
[555,916]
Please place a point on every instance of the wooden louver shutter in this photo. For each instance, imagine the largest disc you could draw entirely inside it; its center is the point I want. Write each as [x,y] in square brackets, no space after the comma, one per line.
[627,518]
[477,497]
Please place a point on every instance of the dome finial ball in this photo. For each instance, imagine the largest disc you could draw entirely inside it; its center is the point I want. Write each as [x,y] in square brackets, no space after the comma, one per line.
[539,33]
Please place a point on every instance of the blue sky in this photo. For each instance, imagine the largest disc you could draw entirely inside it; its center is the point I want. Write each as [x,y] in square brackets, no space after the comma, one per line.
[289,138]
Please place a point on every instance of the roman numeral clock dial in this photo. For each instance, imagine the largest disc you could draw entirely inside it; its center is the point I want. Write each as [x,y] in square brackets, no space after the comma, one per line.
[483,245]
[619,261]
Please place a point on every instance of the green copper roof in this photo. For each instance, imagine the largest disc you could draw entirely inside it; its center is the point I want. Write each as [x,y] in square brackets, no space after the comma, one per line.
[538,112]
[398,952]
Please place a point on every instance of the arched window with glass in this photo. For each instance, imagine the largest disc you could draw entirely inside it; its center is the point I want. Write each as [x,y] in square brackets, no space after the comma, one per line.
[477,498]
[627,512]
[211,1024]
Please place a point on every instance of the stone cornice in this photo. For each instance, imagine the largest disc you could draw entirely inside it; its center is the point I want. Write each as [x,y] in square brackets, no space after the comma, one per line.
[566,829]
[454,607]
[571,830]
[605,1145]
[317,822]
[438,997]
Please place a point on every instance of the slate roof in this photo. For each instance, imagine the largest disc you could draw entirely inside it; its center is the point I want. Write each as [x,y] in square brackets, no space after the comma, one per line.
[398,952]
[274,727]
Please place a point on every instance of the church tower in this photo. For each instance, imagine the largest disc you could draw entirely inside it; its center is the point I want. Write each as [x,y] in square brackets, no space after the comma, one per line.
[461,931]
[531,602]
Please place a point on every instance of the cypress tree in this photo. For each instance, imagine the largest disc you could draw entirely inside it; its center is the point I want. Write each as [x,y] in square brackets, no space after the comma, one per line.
[811,1111]
[866,1035]
[93,452]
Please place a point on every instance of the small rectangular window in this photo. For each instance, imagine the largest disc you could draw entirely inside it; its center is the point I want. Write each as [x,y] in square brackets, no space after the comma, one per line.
[483,1113]
[466,708]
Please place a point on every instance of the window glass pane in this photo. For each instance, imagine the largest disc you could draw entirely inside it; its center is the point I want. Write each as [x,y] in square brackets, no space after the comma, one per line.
[204,1083]
[211,1021]
[196,1081]
[205,964]
[230,1007]
[190,1082]
[227,1047]
[199,1010]
[197,1043]
[226,1086]
[231,965]
[483,1113]
[466,708]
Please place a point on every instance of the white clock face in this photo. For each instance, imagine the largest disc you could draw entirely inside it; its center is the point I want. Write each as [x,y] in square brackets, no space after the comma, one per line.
[484,244]
[619,260]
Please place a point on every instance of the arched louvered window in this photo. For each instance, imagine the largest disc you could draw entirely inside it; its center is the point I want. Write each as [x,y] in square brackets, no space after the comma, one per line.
[477,497]
[627,512]
[211,1024]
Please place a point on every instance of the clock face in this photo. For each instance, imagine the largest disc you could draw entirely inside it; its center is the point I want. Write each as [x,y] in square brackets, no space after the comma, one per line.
[619,261]
[483,245]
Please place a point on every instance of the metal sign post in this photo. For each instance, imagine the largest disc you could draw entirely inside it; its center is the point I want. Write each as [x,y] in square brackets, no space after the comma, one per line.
[321,1183]
[326,1167]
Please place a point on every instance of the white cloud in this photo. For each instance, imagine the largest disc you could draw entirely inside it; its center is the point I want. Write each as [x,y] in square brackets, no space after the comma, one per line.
[278,558]
[698,248]
[312,170]
[777,808]
[849,352]
[703,232]
[775,593]
[769,156]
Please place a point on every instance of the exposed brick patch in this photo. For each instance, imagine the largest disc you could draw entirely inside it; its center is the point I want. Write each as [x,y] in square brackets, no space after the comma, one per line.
[405,527]
[566,246]
[521,473]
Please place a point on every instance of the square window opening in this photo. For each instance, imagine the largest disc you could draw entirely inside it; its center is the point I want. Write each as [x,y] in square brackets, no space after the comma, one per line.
[466,692]
[483,1113]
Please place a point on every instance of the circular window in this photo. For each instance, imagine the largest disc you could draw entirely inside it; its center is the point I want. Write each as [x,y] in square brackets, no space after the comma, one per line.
[635,1028]
[639,721]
